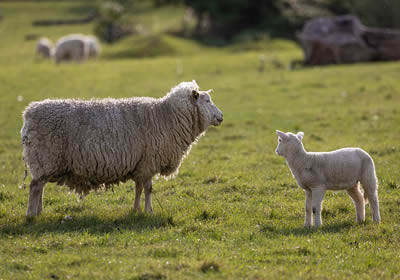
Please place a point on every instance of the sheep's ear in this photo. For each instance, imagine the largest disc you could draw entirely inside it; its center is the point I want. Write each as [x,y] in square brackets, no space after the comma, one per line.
[195,94]
[300,135]
[195,83]
[281,134]
[209,91]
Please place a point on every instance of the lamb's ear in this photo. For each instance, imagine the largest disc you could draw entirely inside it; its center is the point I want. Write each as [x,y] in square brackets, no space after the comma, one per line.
[281,134]
[300,135]
[195,94]
[195,83]
[209,91]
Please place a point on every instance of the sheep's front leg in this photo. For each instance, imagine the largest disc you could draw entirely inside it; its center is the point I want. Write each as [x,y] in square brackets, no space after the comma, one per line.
[35,198]
[317,197]
[138,193]
[359,203]
[148,187]
[308,209]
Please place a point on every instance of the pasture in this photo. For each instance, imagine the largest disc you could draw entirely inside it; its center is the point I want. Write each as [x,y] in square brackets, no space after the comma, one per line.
[234,211]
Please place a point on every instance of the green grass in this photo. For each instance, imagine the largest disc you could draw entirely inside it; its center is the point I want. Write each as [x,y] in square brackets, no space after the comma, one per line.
[234,211]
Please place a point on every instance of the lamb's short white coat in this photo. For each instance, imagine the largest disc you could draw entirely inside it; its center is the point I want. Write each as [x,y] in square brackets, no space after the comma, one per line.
[44,48]
[342,169]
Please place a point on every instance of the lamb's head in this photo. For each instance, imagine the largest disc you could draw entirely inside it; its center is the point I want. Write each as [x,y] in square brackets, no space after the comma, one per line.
[289,143]
[189,96]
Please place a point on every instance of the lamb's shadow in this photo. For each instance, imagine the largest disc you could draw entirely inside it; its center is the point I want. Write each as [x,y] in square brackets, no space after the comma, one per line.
[91,224]
[301,231]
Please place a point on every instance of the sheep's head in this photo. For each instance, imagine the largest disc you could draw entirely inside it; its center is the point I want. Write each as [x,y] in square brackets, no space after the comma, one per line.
[188,97]
[289,143]
[209,113]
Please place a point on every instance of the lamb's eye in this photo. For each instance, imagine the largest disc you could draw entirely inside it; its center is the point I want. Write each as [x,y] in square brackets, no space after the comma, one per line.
[279,140]
[208,101]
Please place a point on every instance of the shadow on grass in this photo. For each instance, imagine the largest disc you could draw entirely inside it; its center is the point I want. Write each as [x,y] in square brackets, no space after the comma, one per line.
[90,224]
[301,231]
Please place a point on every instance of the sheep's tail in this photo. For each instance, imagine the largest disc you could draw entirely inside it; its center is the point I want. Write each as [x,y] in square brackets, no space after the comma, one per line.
[23,180]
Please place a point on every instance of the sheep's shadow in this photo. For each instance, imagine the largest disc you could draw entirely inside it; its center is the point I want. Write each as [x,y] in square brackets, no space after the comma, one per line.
[302,231]
[91,224]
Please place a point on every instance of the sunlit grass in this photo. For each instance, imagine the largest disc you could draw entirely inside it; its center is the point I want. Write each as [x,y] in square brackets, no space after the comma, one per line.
[234,211]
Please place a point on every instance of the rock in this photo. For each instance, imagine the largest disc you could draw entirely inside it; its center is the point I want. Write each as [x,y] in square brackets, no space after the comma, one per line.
[344,39]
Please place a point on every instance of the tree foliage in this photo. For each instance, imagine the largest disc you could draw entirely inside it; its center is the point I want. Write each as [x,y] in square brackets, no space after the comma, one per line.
[227,18]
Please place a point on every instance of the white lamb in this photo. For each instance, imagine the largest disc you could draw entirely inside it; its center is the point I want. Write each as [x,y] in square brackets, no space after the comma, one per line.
[342,169]
[44,48]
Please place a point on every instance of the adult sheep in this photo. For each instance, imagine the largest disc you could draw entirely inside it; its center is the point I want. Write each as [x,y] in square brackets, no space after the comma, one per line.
[44,48]
[89,144]
[73,47]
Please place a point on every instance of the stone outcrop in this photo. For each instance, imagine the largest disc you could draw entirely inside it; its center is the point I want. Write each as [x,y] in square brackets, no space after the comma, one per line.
[344,39]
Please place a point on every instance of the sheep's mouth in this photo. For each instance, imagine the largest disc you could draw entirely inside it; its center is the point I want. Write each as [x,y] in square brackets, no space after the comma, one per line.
[218,121]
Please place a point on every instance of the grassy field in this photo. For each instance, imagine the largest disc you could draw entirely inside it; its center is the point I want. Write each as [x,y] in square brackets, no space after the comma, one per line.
[234,211]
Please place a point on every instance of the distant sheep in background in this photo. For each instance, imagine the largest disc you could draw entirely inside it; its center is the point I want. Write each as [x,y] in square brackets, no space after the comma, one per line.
[342,169]
[76,47]
[44,48]
[89,144]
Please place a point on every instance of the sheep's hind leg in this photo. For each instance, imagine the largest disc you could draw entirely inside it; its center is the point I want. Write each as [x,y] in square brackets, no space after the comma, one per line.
[358,201]
[136,204]
[308,209]
[147,196]
[35,197]
[317,197]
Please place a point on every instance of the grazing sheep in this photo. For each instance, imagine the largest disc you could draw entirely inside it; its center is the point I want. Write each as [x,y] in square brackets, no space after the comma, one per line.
[89,144]
[72,47]
[76,47]
[44,48]
[342,169]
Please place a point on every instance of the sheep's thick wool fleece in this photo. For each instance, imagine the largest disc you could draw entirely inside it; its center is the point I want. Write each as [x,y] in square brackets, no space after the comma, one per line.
[84,144]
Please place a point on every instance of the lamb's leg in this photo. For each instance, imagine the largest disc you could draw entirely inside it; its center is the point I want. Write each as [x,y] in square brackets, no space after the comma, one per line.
[308,209]
[147,196]
[138,194]
[35,197]
[317,197]
[358,201]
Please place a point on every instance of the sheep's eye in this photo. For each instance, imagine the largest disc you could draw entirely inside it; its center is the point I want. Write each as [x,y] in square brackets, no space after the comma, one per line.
[279,140]
[208,101]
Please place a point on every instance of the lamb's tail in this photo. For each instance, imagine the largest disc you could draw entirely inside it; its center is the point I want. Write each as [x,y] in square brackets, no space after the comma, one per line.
[365,197]
[369,183]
